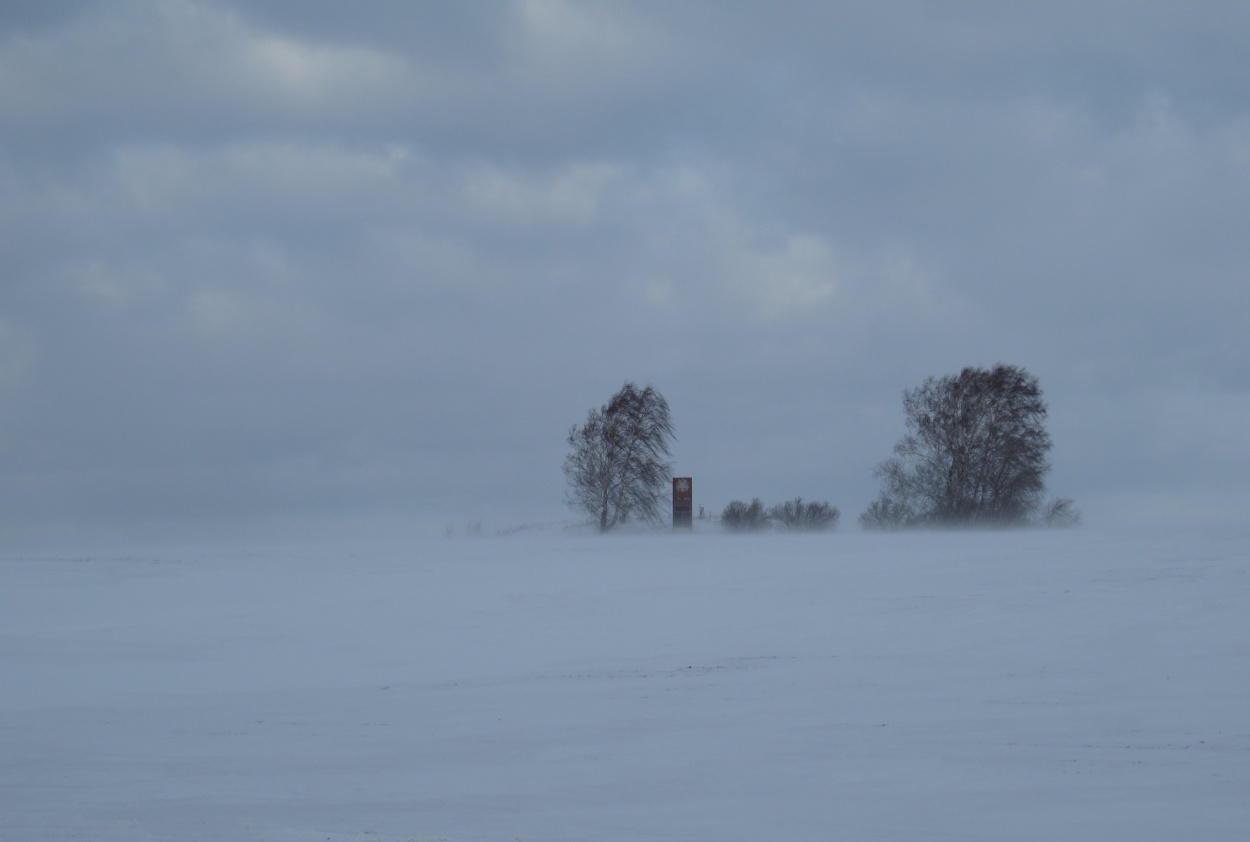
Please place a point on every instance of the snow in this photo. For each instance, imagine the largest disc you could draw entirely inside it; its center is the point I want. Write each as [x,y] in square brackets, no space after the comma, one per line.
[1043,685]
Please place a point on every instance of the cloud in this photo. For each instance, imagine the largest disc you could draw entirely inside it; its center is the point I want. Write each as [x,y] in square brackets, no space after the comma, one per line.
[17,355]
[570,196]
[282,258]
[163,61]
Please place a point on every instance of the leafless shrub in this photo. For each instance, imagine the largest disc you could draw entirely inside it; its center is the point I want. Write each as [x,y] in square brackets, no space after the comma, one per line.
[1060,512]
[809,516]
[742,517]
[887,513]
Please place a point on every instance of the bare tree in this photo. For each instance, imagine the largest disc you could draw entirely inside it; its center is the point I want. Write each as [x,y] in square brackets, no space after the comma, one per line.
[741,517]
[975,452]
[809,516]
[618,467]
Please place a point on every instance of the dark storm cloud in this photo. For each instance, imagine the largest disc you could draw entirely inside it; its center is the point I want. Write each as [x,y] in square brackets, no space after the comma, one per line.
[290,261]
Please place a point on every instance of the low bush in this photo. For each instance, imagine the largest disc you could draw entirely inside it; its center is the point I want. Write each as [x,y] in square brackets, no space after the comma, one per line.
[796,514]
[809,516]
[743,517]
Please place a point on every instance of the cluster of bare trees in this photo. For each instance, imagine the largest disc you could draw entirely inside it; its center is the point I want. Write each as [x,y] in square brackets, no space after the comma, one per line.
[975,453]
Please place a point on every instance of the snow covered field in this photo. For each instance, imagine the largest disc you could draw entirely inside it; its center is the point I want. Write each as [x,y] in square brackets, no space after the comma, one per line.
[992,686]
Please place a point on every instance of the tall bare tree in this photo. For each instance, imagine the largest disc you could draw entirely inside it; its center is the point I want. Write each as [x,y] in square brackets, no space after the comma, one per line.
[617,466]
[975,452]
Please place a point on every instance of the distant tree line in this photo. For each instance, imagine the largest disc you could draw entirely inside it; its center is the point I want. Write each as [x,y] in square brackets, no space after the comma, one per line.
[976,452]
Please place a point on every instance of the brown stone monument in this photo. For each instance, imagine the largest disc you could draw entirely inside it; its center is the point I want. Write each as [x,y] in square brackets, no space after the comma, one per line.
[683,503]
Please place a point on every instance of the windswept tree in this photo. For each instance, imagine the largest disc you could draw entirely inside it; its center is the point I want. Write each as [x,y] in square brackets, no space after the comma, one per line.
[975,452]
[618,466]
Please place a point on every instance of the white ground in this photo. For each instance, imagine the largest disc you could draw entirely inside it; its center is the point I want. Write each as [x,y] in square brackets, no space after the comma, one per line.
[1074,685]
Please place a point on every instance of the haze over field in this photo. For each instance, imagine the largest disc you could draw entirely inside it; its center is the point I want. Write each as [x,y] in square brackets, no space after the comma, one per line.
[290,289]
[276,267]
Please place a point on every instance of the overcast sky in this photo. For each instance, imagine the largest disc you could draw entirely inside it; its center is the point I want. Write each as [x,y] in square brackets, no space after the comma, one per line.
[287,265]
